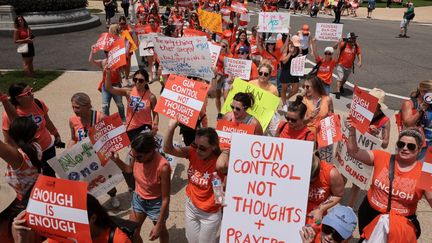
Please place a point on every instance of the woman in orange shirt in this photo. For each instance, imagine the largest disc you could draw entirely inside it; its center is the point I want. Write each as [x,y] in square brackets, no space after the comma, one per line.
[325,64]
[272,54]
[240,41]
[407,171]
[203,215]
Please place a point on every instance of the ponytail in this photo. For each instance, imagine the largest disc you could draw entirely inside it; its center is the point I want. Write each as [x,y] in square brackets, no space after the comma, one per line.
[298,106]
[22,131]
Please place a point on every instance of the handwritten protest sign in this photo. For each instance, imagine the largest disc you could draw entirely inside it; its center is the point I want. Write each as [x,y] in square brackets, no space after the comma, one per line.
[210,21]
[57,209]
[108,135]
[188,56]
[81,163]
[354,170]
[130,43]
[238,7]
[238,68]
[265,102]
[214,53]
[329,131]
[104,42]
[425,181]
[328,32]
[146,46]
[274,22]
[226,129]
[117,55]
[298,66]
[191,32]
[267,189]
[363,106]
[182,100]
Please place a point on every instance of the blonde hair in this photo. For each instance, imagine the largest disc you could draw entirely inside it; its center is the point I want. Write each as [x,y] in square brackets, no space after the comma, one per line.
[423,85]
[114,29]
[81,99]
[266,63]
[227,49]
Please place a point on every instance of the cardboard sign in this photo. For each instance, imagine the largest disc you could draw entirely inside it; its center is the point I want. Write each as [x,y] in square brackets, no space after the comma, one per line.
[354,170]
[363,107]
[146,45]
[425,181]
[298,66]
[117,55]
[265,102]
[108,135]
[214,53]
[210,21]
[104,42]
[81,163]
[182,99]
[238,7]
[226,129]
[273,22]
[267,189]
[238,68]
[329,131]
[57,209]
[187,56]
[130,43]
[191,32]
[328,32]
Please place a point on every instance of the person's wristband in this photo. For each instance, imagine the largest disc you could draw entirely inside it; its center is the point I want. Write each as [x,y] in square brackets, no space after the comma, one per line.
[4,98]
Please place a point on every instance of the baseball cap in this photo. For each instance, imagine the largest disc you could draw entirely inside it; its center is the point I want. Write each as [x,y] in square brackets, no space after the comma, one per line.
[329,49]
[295,39]
[243,49]
[342,219]
[351,35]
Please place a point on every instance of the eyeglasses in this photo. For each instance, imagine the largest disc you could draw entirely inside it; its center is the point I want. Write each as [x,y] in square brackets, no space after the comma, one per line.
[271,44]
[410,146]
[199,147]
[242,53]
[291,120]
[28,93]
[263,74]
[328,53]
[330,231]
[236,108]
[306,86]
[139,80]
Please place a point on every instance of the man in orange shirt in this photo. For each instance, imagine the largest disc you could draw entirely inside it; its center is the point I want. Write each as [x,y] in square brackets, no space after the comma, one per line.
[349,49]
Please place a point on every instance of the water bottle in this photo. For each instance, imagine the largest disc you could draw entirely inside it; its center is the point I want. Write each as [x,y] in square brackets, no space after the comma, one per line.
[217,189]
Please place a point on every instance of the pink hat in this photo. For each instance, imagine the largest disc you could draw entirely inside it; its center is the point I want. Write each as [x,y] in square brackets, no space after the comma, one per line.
[295,39]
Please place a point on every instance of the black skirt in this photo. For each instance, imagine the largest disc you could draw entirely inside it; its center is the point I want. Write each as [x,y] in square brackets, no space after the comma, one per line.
[31,51]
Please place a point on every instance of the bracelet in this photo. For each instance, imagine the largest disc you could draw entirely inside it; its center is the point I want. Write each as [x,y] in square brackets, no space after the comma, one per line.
[4,98]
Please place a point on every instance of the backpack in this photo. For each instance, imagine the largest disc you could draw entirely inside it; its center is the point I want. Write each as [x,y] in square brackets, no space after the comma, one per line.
[315,69]
[410,16]
[128,227]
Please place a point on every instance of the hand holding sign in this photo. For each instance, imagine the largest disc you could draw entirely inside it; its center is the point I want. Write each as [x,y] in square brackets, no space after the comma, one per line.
[363,107]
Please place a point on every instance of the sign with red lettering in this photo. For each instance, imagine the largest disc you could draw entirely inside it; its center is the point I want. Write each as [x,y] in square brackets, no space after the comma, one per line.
[108,135]
[57,209]
[267,189]
[238,68]
[182,99]
[425,181]
[363,107]
[328,32]
[226,129]
[354,170]
[81,163]
[214,52]
[191,32]
[297,67]
[104,42]
[238,7]
[329,131]
[117,55]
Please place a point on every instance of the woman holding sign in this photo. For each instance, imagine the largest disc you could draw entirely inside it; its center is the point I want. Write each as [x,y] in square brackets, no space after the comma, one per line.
[289,52]
[405,171]
[203,215]
[319,104]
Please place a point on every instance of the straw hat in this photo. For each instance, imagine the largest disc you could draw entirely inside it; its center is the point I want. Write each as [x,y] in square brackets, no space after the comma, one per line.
[8,195]
[380,95]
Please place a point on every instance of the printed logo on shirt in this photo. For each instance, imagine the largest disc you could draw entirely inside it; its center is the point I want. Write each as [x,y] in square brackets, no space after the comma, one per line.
[316,193]
[36,118]
[136,103]
[403,188]
[82,133]
[199,179]
[324,68]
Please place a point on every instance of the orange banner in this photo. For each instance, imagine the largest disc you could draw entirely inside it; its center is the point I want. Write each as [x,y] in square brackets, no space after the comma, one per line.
[225,129]
[210,21]
[329,131]
[104,42]
[192,32]
[363,106]
[117,55]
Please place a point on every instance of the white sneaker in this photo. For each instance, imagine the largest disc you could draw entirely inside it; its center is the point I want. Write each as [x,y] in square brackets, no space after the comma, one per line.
[115,202]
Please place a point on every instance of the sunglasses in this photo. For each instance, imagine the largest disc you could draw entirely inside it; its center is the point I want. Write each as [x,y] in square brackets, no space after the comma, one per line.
[199,147]
[139,80]
[306,86]
[291,120]
[151,22]
[271,44]
[263,74]
[330,231]
[410,146]
[242,53]
[28,93]
[236,108]
[328,53]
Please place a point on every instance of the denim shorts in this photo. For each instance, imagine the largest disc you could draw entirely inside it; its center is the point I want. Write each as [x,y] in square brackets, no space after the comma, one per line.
[151,207]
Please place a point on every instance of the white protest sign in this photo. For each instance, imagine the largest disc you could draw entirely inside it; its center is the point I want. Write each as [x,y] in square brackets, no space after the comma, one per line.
[146,46]
[238,68]
[267,189]
[328,31]
[81,163]
[214,53]
[273,22]
[298,66]
[172,160]
[354,170]
[187,56]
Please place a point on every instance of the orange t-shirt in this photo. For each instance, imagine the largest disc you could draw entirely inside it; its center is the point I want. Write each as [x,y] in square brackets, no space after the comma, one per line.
[143,109]
[119,237]
[199,189]
[320,188]
[148,29]
[80,130]
[348,55]
[325,70]
[43,136]
[147,177]
[254,72]
[253,45]
[274,58]
[405,195]
[303,134]
[220,61]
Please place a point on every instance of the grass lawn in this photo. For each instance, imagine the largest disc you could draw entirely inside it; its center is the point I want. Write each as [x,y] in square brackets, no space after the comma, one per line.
[417,3]
[40,80]
[94,10]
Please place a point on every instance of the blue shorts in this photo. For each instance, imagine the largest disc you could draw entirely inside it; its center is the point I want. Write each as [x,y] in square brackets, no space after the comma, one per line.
[151,207]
